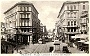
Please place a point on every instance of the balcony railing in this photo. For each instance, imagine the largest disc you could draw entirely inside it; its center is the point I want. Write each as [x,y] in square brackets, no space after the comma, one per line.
[71,26]
[26,33]
[71,32]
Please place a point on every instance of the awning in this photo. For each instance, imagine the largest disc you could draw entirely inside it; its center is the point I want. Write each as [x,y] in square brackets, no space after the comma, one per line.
[73,37]
[82,41]
[80,36]
[26,33]
[84,35]
[86,42]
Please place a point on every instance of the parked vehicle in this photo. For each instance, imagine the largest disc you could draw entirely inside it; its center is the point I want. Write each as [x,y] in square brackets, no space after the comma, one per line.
[65,49]
[40,41]
[46,39]
[51,49]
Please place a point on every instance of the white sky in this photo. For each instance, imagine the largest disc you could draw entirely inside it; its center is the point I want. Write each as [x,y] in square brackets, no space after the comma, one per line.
[48,11]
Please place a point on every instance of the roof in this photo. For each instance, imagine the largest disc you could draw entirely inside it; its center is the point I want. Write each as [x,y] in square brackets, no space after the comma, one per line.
[20,3]
[70,2]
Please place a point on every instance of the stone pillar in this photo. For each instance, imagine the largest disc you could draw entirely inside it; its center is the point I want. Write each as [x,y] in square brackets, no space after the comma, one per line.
[22,22]
[28,38]
[68,38]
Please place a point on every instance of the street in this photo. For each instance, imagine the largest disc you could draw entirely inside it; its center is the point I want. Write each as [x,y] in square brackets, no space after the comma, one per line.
[44,48]
[36,48]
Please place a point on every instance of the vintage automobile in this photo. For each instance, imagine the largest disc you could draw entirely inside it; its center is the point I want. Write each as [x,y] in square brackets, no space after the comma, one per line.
[65,49]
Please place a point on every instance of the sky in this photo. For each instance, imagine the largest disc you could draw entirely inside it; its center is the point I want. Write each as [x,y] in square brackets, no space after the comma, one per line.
[48,11]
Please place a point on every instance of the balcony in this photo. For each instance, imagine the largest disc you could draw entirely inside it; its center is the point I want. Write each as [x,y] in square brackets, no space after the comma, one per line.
[71,32]
[26,33]
[83,23]
[24,18]
[72,26]
[23,27]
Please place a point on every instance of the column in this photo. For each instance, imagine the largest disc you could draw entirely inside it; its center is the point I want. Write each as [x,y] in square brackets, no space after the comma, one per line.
[28,38]
[22,39]
[22,22]
[68,38]
[70,29]
[26,22]
[70,23]
[73,30]
[73,22]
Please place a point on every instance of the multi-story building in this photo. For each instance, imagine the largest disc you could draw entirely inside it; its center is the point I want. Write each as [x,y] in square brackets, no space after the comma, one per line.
[70,16]
[58,29]
[22,23]
[2,30]
[84,19]
[43,31]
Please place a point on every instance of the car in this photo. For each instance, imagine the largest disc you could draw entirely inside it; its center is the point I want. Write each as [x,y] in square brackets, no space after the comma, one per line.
[65,49]
[56,41]
[40,41]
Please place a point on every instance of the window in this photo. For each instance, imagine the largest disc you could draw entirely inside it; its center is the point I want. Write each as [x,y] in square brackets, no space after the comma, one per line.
[83,6]
[27,15]
[71,23]
[20,15]
[71,14]
[68,14]
[24,15]
[20,8]
[71,30]
[84,20]
[28,30]
[24,22]
[27,8]
[24,9]
[74,14]
[74,22]
[67,7]
[68,23]
[74,7]
[27,22]
[71,7]
[74,29]
[68,29]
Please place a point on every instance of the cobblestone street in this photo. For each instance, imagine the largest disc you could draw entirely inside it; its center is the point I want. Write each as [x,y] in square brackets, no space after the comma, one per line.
[36,48]
[44,48]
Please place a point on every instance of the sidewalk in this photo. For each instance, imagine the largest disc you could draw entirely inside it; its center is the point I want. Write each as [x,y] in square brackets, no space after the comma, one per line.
[26,48]
[35,48]
[71,49]
[74,50]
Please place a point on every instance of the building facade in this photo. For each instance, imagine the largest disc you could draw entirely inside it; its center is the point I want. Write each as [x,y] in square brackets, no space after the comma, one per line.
[70,18]
[43,31]
[2,30]
[22,23]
